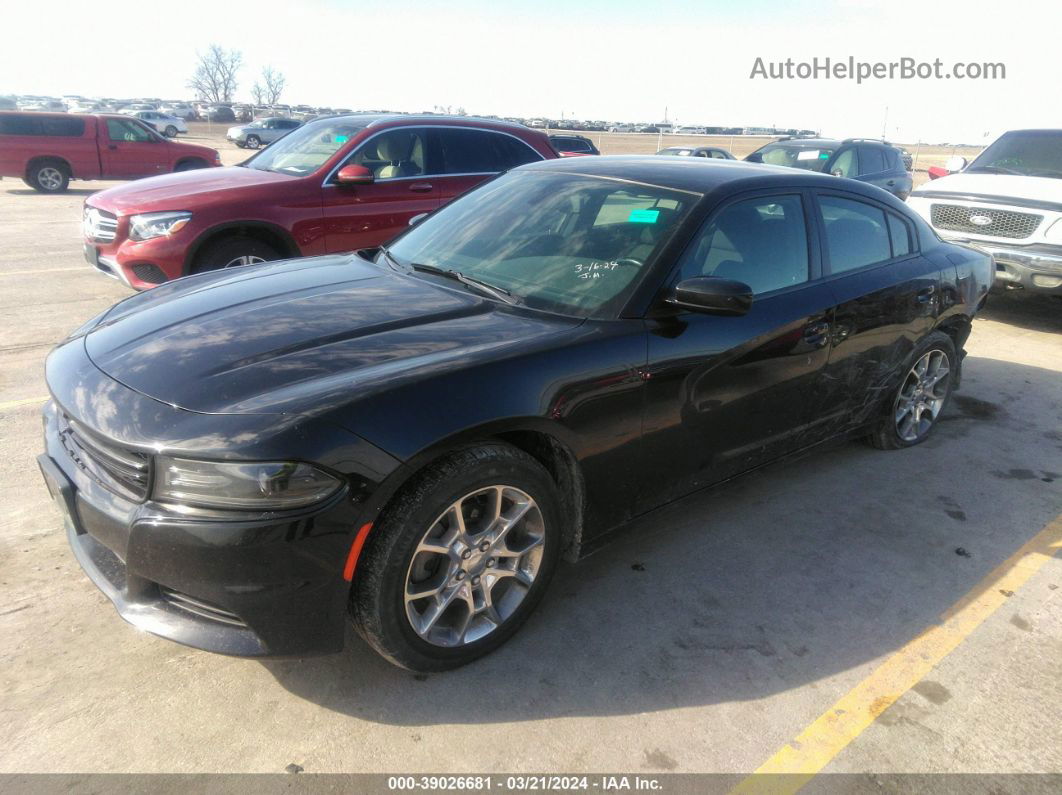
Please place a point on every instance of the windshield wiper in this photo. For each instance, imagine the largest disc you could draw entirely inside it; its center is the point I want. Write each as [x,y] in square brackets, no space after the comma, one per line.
[499,293]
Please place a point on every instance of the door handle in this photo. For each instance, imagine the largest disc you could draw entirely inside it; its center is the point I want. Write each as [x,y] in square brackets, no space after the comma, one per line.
[925,295]
[891,182]
[817,334]
[420,187]
[112,146]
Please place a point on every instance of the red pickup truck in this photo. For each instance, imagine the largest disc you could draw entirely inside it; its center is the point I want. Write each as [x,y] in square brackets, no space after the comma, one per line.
[47,150]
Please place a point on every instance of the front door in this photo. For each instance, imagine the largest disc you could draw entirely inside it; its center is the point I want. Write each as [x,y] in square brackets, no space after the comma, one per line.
[364,216]
[129,150]
[726,394]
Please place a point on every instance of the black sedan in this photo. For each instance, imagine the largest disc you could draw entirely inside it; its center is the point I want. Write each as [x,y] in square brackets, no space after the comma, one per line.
[411,438]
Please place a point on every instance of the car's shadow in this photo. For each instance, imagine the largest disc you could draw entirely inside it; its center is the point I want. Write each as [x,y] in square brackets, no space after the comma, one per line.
[1025,309]
[791,576]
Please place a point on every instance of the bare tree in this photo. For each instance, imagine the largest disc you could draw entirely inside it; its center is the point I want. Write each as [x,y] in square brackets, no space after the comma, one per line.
[258,94]
[273,82]
[214,78]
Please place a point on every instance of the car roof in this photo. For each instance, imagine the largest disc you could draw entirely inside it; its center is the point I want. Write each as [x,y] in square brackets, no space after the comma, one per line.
[698,175]
[401,119]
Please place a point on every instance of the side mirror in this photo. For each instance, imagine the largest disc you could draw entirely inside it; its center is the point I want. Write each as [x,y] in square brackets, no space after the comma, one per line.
[955,164]
[354,175]
[416,219]
[713,296]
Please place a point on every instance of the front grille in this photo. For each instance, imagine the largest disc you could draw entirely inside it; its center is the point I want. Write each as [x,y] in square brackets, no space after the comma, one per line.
[1002,223]
[99,225]
[148,272]
[200,607]
[122,471]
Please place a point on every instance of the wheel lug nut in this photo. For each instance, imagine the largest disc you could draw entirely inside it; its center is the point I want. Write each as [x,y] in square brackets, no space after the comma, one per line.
[466,554]
[475,580]
[490,563]
[484,546]
[459,576]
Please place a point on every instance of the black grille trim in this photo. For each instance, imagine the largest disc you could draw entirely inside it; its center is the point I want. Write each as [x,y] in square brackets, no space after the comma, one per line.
[1004,223]
[122,471]
[199,607]
[149,272]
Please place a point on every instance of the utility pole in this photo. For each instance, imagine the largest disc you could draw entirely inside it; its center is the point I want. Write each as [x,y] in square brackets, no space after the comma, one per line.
[885,123]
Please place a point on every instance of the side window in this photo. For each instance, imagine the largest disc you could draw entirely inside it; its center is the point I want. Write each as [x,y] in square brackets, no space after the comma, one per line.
[393,154]
[63,128]
[702,153]
[762,242]
[122,130]
[901,236]
[845,164]
[718,154]
[468,152]
[291,124]
[513,153]
[20,125]
[871,160]
[856,234]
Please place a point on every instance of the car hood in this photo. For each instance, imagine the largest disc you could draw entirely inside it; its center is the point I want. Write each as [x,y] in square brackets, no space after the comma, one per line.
[294,336]
[181,190]
[997,185]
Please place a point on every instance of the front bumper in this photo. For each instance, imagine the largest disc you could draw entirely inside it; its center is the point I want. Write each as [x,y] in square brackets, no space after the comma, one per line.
[1035,267]
[250,586]
[140,265]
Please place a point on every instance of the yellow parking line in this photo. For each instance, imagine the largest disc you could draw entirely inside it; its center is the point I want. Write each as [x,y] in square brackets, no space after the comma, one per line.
[796,763]
[41,270]
[16,403]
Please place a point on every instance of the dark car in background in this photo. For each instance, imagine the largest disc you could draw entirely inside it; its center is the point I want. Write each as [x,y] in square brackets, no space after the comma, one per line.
[261,131]
[711,152]
[411,437]
[568,145]
[875,162]
[335,184]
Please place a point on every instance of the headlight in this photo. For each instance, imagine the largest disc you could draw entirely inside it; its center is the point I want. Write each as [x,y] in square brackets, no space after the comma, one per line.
[149,225]
[272,486]
[1054,232]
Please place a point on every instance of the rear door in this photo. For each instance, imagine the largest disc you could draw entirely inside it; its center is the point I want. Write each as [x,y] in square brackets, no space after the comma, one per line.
[726,394]
[887,297]
[406,184]
[471,156]
[129,150]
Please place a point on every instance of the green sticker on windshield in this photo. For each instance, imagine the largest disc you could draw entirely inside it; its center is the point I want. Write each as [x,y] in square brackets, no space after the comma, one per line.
[644,216]
[341,139]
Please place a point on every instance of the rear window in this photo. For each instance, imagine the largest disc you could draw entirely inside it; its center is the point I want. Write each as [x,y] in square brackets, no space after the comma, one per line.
[42,125]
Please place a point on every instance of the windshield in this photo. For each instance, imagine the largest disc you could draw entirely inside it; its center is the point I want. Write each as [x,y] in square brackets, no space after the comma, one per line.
[563,243]
[306,149]
[1037,153]
[811,157]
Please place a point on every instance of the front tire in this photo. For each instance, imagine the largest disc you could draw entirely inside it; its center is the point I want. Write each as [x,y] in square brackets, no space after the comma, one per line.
[253,142]
[459,560]
[234,252]
[48,176]
[170,131]
[911,414]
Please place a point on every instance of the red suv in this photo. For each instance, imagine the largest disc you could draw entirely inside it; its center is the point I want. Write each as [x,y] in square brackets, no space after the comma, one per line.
[335,184]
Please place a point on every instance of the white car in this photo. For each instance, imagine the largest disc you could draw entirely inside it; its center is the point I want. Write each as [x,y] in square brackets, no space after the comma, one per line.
[1007,202]
[165,124]
[181,110]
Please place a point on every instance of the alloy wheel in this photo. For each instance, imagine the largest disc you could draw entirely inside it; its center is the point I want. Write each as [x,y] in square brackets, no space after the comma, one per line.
[248,259]
[474,566]
[50,178]
[922,395]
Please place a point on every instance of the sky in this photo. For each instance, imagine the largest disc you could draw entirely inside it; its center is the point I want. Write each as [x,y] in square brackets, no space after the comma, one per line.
[614,60]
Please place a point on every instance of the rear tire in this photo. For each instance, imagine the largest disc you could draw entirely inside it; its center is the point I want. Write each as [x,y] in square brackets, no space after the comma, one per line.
[490,582]
[48,176]
[233,252]
[911,413]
